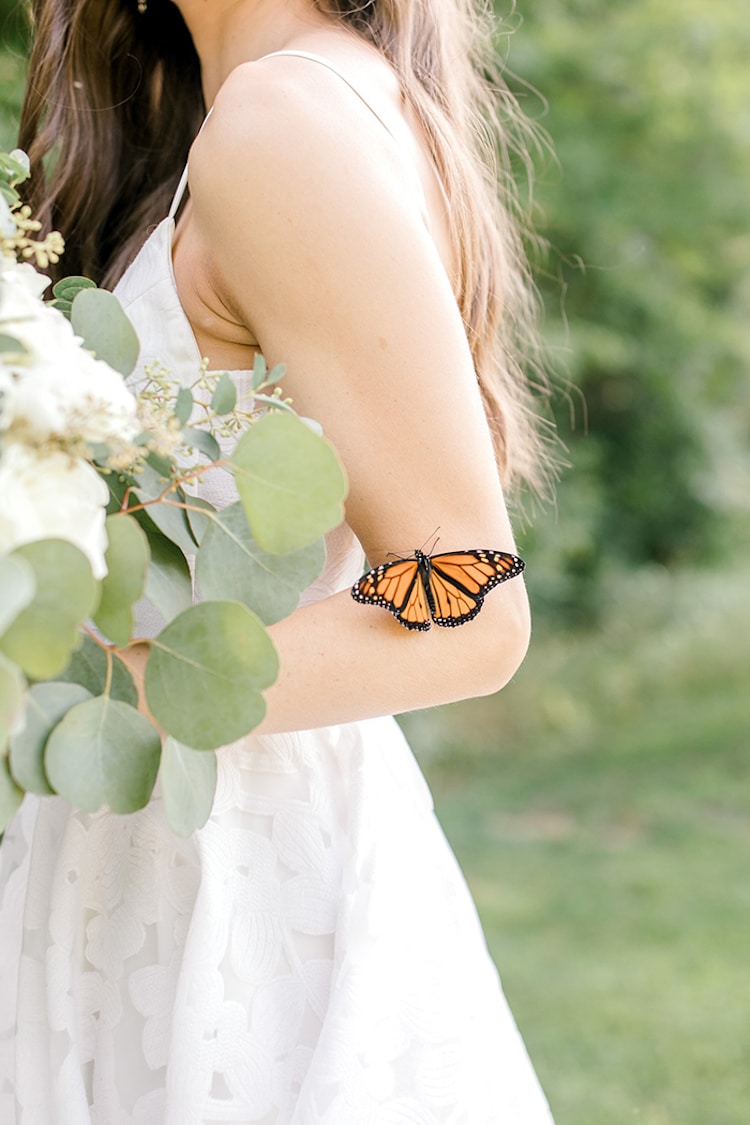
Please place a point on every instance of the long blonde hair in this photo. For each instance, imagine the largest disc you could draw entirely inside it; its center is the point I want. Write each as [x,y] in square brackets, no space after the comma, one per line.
[124,91]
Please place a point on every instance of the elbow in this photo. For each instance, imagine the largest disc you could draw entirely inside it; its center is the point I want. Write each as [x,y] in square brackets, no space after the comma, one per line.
[503,639]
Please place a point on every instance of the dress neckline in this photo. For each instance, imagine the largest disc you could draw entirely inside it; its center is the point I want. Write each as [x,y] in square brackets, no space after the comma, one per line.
[162,235]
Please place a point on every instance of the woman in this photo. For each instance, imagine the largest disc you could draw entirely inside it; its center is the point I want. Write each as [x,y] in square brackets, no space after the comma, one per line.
[312,954]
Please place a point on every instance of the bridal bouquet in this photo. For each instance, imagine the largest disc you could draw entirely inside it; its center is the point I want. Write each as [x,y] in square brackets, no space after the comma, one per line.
[97,512]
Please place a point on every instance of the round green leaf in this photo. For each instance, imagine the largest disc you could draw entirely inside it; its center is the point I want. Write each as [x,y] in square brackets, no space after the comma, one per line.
[88,667]
[203,441]
[12,686]
[9,345]
[17,587]
[103,753]
[188,786]
[183,406]
[45,633]
[290,482]
[224,398]
[45,706]
[259,371]
[127,559]
[230,564]
[10,796]
[98,317]
[69,287]
[205,674]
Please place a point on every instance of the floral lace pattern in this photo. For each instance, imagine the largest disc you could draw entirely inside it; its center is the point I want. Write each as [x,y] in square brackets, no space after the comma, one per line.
[310,957]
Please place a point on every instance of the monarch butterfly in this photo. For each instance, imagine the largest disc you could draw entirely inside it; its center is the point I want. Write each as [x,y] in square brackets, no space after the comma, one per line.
[449,588]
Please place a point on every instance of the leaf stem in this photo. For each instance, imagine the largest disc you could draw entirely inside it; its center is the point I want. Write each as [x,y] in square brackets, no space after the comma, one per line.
[110,668]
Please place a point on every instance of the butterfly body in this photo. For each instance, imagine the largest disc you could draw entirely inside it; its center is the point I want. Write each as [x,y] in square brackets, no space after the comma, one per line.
[446,589]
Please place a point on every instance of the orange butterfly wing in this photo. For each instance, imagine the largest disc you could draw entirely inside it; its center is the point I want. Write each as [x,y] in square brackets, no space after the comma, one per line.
[447,588]
[397,587]
[459,581]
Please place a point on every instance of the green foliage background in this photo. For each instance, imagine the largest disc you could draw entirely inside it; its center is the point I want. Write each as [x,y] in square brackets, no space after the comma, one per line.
[647,279]
[600,805]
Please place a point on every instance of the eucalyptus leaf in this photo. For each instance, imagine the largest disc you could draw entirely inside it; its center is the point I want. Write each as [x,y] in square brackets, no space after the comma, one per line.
[169,586]
[69,287]
[99,452]
[127,558]
[66,291]
[88,667]
[150,482]
[15,166]
[170,518]
[203,441]
[98,317]
[8,198]
[103,752]
[167,515]
[12,686]
[118,484]
[188,786]
[62,306]
[10,795]
[276,404]
[230,564]
[224,398]
[259,371]
[10,345]
[290,481]
[183,406]
[205,674]
[45,633]
[199,514]
[46,704]
[160,463]
[17,588]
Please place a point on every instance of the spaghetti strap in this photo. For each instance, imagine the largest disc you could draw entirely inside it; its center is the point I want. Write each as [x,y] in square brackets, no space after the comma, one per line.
[177,197]
[340,74]
[335,70]
[182,185]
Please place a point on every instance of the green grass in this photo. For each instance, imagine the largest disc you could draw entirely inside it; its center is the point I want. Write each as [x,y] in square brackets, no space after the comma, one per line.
[600,807]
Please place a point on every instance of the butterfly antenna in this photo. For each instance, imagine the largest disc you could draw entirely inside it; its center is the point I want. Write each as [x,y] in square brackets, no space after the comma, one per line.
[436,538]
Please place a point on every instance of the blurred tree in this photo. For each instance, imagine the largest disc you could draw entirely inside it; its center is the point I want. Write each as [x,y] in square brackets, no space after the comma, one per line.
[13,37]
[647,289]
[13,21]
[647,283]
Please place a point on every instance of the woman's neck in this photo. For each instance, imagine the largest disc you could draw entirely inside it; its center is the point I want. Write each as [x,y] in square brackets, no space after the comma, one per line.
[227,33]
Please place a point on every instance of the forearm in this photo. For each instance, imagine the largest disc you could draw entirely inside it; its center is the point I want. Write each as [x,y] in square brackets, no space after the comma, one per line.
[340,661]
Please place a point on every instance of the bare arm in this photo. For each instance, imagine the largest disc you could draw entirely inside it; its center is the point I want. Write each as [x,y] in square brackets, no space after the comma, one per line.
[314,242]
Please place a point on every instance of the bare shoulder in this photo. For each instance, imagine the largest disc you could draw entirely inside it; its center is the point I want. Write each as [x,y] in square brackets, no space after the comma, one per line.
[286,113]
[299,189]
[287,132]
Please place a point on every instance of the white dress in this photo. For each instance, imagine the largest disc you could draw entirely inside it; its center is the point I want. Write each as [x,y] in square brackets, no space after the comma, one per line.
[311,956]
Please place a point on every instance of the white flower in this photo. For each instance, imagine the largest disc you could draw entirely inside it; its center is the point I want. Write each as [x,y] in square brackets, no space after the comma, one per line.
[52,496]
[21,276]
[69,396]
[55,389]
[7,222]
